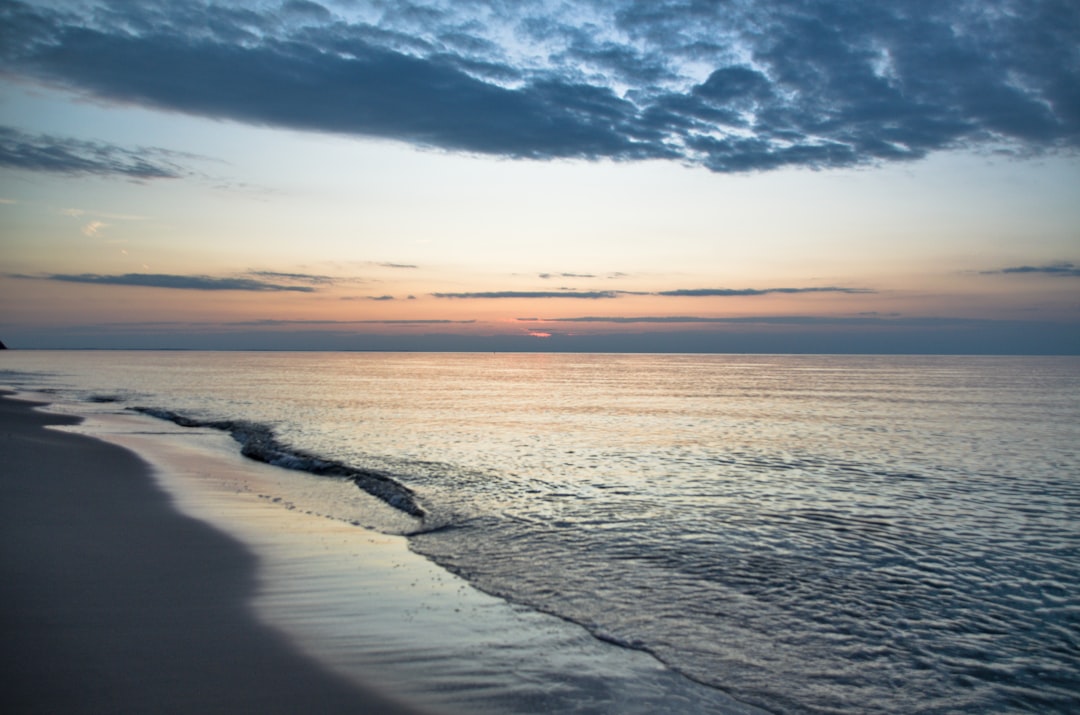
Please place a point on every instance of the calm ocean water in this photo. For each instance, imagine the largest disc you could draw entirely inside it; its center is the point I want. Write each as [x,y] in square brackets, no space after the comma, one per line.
[823,534]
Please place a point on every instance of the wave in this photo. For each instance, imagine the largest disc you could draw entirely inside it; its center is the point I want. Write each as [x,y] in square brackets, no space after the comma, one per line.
[257,442]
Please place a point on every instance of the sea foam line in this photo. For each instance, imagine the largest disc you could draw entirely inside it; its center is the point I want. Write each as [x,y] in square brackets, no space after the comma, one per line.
[257,442]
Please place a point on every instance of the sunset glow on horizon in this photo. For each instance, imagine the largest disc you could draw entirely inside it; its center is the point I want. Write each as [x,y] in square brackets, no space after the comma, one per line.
[347,176]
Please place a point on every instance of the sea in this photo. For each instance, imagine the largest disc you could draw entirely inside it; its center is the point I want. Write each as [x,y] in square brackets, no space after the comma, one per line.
[809,534]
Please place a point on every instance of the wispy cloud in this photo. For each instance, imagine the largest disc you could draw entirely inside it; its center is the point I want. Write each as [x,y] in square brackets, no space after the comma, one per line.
[732,87]
[376,298]
[177,282]
[420,321]
[1061,269]
[583,295]
[63,155]
[79,213]
[734,292]
[628,319]
[680,292]
[308,278]
[93,228]
[546,276]
[615,319]
[860,320]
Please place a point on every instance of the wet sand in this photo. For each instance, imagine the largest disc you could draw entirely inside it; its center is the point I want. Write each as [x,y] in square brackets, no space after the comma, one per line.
[112,601]
[154,569]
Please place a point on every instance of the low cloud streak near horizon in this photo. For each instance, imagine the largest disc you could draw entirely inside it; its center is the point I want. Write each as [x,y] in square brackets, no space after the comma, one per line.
[200,283]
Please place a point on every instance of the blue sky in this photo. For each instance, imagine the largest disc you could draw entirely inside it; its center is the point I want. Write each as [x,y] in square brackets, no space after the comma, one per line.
[728,176]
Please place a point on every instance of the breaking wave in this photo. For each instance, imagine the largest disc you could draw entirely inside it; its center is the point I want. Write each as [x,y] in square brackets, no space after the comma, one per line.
[257,442]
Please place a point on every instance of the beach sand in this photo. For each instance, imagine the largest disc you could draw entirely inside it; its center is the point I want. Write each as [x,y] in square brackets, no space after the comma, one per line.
[151,568]
[114,602]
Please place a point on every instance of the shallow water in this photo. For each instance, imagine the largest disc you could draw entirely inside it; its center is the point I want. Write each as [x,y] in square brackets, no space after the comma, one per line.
[809,533]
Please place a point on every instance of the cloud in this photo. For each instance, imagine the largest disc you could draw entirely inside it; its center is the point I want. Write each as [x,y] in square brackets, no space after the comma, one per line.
[157,280]
[628,319]
[62,155]
[733,87]
[586,295]
[1061,269]
[79,213]
[674,319]
[93,228]
[307,278]
[305,10]
[546,276]
[860,320]
[397,265]
[681,292]
[422,321]
[729,292]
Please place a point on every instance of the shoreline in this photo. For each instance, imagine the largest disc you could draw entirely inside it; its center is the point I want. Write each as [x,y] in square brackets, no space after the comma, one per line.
[113,601]
[364,608]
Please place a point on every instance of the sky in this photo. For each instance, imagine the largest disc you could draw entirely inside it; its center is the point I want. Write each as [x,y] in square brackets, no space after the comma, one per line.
[600,175]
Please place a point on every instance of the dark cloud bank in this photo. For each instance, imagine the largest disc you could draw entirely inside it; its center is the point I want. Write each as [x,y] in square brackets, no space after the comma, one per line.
[732,86]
